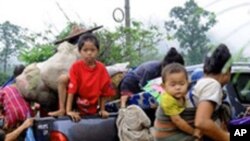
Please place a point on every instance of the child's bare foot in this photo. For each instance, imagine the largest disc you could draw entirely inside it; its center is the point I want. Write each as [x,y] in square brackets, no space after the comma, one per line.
[57,113]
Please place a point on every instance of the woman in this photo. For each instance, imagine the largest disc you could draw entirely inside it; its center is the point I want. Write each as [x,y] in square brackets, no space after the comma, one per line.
[207,97]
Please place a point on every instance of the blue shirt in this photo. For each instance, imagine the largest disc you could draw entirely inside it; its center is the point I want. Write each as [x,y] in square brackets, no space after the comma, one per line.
[147,71]
[139,77]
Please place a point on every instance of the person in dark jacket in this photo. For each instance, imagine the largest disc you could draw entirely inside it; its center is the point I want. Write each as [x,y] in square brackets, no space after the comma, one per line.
[134,80]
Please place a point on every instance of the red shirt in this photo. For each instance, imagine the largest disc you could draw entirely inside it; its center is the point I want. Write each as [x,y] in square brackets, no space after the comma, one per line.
[89,84]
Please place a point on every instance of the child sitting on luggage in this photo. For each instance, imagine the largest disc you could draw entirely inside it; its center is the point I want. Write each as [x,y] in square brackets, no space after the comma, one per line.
[89,81]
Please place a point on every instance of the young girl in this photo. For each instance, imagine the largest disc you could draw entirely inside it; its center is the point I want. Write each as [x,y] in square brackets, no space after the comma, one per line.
[172,104]
[89,81]
[207,94]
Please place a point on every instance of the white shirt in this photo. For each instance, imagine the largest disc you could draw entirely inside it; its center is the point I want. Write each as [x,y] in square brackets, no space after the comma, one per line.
[207,89]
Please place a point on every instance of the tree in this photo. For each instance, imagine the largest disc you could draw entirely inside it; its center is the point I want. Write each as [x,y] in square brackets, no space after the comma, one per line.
[142,46]
[39,52]
[113,45]
[11,40]
[189,25]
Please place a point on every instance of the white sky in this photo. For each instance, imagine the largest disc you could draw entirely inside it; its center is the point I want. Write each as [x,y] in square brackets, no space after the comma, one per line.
[38,15]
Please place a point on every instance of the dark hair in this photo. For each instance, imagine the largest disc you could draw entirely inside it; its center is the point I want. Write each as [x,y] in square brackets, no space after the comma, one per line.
[218,60]
[173,68]
[171,57]
[18,70]
[87,37]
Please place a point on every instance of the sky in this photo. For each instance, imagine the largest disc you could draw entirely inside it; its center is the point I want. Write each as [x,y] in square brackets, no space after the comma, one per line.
[232,28]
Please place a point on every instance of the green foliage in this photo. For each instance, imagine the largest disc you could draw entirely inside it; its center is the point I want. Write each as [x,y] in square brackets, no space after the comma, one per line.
[114,48]
[40,52]
[141,47]
[12,38]
[189,25]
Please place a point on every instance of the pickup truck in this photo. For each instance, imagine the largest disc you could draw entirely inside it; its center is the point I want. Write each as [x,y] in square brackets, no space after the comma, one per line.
[94,128]
[90,128]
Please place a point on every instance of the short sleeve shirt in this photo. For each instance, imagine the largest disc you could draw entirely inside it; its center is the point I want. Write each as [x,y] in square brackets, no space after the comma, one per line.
[89,84]
[207,89]
[170,105]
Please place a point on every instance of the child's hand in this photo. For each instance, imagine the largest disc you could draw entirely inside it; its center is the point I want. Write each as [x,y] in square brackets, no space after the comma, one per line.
[28,123]
[75,116]
[104,114]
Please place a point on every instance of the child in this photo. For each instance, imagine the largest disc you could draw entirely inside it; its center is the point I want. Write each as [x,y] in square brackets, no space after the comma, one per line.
[172,104]
[208,95]
[89,81]
[138,78]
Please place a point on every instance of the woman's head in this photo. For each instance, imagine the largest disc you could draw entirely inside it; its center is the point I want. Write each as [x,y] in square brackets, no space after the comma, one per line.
[175,80]
[88,46]
[171,57]
[219,63]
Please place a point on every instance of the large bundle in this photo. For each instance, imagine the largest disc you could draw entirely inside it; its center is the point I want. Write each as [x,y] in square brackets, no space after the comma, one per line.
[38,82]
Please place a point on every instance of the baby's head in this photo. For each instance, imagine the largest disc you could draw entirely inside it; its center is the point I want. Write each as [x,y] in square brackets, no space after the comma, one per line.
[175,80]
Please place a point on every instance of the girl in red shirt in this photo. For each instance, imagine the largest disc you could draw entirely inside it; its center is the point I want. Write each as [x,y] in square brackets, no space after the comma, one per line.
[89,81]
